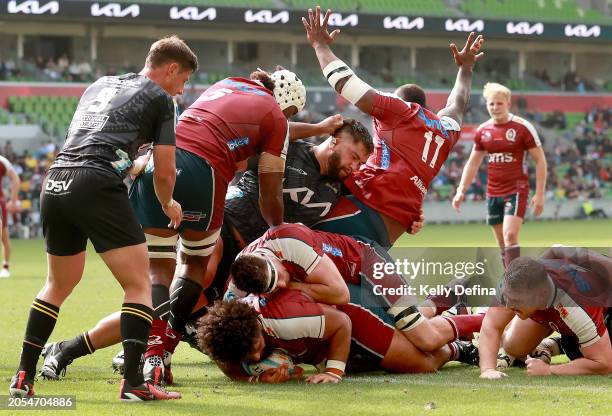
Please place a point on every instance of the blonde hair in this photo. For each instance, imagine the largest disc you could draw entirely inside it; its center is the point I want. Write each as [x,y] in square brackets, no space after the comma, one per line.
[492,88]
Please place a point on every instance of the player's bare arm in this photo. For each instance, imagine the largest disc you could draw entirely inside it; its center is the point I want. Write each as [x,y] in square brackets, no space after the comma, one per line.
[164,178]
[537,202]
[465,60]
[15,183]
[325,127]
[271,169]
[338,336]
[496,319]
[597,360]
[467,177]
[325,284]
[338,74]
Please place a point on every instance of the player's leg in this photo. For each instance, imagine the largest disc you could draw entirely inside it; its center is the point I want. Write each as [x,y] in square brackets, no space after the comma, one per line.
[495,218]
[6,242]
[404,357]
[66,260]
[523,336]
[117,236]
[514,214]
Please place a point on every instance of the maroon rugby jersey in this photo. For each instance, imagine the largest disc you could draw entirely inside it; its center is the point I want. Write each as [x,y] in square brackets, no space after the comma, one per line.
[5,166]
[293,322]
[410,146]
[506,145]
[579,303]
[234,119]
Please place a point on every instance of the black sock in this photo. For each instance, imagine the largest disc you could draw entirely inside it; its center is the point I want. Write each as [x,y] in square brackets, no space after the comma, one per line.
[77,347]
[161,301]
[41,322]
[184,295]
[135,325]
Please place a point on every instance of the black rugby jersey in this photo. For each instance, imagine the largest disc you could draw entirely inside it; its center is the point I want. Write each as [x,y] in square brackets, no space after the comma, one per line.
[307,195]
[115,117]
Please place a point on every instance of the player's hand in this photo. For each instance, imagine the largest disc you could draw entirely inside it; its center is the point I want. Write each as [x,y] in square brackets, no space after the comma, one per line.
[458,200]
[537,367]
[316,31]
[173,211]
[140,164]
[537,205]
[330,124]
[276,375]
[11,206]
[492,374]
[418,225]
[470,53]
[323,378]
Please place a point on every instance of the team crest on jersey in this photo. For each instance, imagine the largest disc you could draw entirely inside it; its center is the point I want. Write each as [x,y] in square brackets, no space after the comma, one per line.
[511,135]
[486,136]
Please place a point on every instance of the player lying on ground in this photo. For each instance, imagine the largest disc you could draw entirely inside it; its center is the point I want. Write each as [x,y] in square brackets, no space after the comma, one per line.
[410,145]
[322,264]
[566,292]
[85,198]
[505,138]
[250,337]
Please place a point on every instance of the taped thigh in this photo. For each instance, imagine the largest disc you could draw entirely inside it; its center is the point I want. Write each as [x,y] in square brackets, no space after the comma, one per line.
[161,247]
[202,248]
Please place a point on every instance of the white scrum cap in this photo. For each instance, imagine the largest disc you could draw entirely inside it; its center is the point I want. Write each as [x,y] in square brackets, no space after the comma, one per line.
[288,90]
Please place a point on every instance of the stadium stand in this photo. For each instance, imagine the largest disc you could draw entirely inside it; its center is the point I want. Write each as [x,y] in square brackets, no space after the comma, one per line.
[53,114]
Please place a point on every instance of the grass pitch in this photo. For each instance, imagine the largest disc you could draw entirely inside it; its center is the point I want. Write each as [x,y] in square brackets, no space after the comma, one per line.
[455,390]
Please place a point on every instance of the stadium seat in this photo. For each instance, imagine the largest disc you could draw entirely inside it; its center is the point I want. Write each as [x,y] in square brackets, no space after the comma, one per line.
[53,114]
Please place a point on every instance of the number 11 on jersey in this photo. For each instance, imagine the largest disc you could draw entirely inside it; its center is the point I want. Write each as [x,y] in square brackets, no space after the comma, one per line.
[428,139]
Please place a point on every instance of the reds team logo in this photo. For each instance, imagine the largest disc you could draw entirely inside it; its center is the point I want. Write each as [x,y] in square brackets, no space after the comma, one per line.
[511,135]
[487,136]
[562,311]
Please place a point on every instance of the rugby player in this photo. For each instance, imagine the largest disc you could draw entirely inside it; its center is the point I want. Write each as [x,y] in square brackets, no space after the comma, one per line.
[246,116]
[238,335]
[322,264]
[84,197]
[410,145]
[567,294]
[505,138]
[6,169]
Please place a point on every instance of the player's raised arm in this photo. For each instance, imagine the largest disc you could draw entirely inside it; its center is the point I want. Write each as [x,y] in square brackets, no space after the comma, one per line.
[327,127]
[467,177]
[491,332]
[465,60]
[338,336]
[324,284]
[338,74]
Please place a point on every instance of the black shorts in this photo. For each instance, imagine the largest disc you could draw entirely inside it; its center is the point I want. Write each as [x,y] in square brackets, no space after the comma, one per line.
[81,204]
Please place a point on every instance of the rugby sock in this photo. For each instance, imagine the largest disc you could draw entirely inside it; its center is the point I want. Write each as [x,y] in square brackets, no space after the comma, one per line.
[161,301]
[454,351]
[184,295]
[510,253]
[135,325]
[77,347]
[465,325]
[157,338]
[41,322]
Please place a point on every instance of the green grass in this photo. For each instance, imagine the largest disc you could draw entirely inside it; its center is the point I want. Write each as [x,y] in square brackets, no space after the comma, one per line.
[455,390]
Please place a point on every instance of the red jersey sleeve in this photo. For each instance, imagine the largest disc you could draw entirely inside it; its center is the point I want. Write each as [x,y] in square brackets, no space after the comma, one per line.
[389,110]
[529,137]
[275,133]
[478,141]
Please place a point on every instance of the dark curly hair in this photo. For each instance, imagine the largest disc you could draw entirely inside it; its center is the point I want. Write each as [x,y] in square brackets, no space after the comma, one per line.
[412,93]
[264,78]
[358,131]
[227,333]
[250,273]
